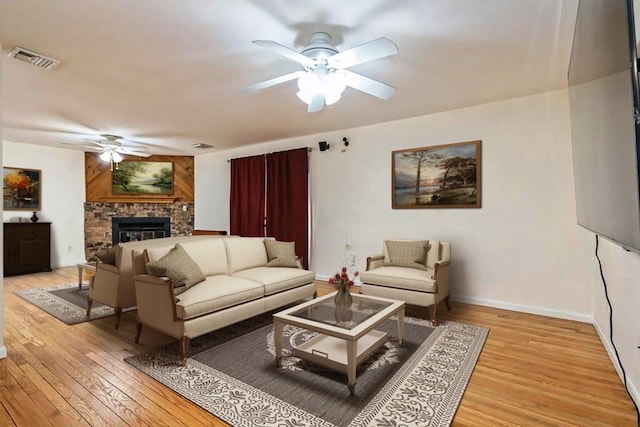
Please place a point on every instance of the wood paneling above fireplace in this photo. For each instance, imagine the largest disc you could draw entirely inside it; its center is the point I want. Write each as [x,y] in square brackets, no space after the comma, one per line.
[98,181]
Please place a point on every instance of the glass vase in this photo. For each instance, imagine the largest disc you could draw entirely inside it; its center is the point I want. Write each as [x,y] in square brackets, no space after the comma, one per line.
[343,299]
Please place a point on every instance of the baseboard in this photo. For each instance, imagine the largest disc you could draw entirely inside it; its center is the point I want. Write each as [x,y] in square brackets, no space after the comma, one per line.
[3,352]
[604,338]
[568,315]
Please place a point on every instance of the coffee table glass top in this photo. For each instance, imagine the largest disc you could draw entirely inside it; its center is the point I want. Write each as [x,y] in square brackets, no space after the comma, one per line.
[326,312]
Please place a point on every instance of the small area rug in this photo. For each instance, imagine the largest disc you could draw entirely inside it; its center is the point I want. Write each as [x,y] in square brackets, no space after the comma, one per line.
[232,374]
[66,302]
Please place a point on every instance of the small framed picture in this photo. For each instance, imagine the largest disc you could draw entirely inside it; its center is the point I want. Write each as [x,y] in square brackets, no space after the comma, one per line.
[21,189]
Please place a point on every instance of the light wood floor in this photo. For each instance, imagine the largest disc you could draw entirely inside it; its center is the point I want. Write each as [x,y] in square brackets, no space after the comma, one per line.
[533,371]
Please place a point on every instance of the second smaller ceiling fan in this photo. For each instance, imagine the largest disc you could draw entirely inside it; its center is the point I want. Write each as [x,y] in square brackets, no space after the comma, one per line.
[325,76]
[112,147]
[116,144]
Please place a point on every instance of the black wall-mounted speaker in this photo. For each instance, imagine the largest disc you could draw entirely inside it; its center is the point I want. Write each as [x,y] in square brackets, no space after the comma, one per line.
[324,145]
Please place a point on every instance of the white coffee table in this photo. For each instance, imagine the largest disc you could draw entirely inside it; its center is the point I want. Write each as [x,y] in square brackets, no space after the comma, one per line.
[346,337]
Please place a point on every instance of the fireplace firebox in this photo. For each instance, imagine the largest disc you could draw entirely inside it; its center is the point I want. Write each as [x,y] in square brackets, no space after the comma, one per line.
[128,229]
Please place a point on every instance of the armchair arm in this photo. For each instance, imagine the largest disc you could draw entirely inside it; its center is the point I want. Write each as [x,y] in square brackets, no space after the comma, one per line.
[442,263]
[374,261]
[104,285]
[149,278]
[155,296]
[441,275]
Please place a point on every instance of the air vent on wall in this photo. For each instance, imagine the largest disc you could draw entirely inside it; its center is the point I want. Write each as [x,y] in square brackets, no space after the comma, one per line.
[33,58]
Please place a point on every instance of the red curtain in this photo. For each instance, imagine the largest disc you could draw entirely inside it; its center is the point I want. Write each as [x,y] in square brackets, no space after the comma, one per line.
[288,198]
[247,196]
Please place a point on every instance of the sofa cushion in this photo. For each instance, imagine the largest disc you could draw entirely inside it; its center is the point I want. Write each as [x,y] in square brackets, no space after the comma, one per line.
[280,254]
[401,277]
[209,254]
[277,279]
[154,253]
[179,267]
[406,253]
[216,293]
[246,252]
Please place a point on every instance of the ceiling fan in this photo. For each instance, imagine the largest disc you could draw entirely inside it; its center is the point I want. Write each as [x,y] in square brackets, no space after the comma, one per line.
[112,147]
[325,76]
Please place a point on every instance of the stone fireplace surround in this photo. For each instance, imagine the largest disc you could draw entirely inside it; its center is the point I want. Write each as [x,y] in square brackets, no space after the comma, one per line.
[97,220]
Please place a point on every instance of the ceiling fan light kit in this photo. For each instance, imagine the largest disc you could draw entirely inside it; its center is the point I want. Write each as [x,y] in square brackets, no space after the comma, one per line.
[322,82]
[112,157]
[325,77]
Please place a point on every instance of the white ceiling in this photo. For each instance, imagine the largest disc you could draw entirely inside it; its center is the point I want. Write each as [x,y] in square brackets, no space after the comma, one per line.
[171,73]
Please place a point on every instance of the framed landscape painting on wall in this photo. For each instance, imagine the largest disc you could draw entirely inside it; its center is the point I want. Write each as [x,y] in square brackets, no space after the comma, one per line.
[133,177]
[20,189]
[442,176]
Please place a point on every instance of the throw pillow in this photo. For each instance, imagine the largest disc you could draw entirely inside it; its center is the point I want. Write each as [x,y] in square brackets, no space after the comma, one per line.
[407,254]
[280,254]
[179,267]
[107,256]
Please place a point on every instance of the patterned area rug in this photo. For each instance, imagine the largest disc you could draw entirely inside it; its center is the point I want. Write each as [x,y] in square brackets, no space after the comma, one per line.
[232,374]
[66,302]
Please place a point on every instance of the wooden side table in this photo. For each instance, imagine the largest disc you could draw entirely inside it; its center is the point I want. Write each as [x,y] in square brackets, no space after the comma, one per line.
[89,266]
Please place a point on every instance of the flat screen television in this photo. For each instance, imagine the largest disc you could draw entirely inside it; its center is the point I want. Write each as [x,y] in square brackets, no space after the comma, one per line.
[604,105]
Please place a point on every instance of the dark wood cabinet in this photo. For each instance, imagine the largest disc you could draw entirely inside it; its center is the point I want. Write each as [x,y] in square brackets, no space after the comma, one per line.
[27,247]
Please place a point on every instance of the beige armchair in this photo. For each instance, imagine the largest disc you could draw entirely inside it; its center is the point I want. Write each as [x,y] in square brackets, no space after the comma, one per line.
[108,287]
[414,271]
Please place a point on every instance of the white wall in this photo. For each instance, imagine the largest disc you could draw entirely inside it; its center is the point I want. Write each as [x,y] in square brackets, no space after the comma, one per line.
[62,192]
[621,271]
[3,349]
[521,250]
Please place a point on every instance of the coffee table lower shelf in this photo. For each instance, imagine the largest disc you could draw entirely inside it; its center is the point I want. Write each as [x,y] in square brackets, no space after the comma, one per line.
[331,352]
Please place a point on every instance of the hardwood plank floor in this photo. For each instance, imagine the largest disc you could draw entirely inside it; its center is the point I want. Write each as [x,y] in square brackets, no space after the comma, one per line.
[533,370]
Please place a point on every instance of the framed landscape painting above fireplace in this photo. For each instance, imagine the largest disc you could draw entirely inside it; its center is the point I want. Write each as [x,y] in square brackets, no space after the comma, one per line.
[143,177]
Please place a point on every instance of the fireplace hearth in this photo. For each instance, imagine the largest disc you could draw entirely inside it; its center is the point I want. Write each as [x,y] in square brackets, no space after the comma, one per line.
[128,229]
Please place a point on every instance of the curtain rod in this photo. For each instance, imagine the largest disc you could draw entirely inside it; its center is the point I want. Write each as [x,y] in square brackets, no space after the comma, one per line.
[309,149]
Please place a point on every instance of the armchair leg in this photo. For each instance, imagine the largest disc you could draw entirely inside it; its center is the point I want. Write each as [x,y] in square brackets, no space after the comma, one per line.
[138,332]
[118,311]
[446,301]
[432,314]
[184,349]
[89,303]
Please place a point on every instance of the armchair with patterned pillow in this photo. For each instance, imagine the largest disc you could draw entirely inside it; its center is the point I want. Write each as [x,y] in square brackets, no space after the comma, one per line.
[107,287]
[414,271]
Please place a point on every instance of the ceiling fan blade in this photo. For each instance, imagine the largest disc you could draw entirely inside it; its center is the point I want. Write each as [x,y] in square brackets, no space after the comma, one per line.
[286,52]
[99,144]
[274,81]
[87,147]
[132,152]
[375,49]
[316,104]
[369,86]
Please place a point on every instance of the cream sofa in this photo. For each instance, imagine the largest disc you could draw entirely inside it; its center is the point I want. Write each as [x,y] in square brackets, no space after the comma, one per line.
[421,279]
[112,283]
[238,285]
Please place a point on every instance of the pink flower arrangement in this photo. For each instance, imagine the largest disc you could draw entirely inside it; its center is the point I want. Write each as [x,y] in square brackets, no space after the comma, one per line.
[341,280]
